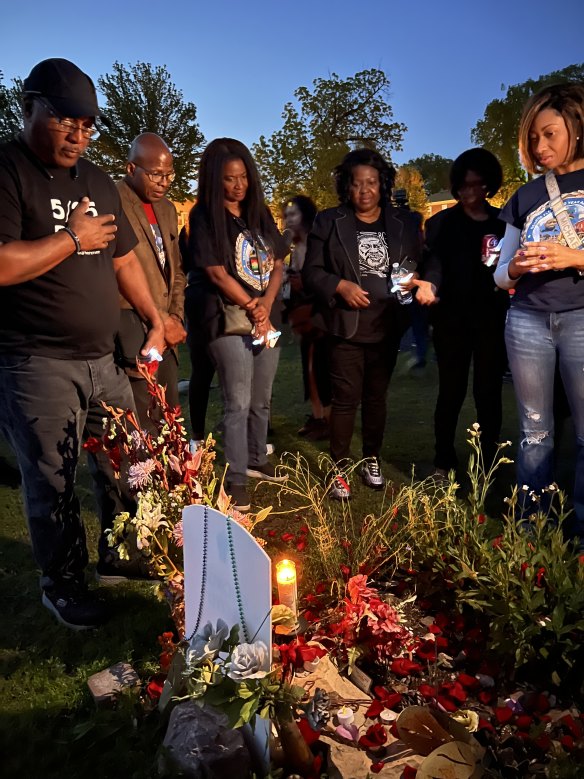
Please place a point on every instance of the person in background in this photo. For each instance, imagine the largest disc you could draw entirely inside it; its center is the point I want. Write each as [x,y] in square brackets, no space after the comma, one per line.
[149,174]
[350,253]
[299,216]
[234,240]
[468,311]
[66,253]
[202,366]
[545,324]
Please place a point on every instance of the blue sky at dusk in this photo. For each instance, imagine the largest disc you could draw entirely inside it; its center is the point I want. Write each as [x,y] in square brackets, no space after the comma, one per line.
[239,62]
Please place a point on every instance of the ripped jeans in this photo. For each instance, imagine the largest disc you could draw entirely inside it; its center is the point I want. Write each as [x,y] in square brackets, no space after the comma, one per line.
[534,340]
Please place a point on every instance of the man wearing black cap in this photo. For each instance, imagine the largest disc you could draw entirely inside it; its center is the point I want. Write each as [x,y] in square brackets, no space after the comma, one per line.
[65,255]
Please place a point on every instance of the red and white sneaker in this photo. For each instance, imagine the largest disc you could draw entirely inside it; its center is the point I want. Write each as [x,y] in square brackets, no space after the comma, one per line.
[339,489]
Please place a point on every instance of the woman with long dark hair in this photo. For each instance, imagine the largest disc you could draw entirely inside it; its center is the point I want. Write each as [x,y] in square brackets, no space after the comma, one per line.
[350,254]
[542,259]
[468,311]
[234,240]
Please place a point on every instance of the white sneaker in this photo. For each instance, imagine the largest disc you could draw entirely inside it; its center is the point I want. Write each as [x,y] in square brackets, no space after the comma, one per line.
[371,474]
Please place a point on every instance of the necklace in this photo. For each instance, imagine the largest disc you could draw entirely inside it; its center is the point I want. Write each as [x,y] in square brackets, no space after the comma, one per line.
[235,575]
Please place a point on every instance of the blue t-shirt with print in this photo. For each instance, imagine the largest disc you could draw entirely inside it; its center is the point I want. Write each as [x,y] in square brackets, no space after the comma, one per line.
[529,210]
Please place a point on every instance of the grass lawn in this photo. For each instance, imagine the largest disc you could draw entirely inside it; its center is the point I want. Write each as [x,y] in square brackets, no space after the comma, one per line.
[45,701]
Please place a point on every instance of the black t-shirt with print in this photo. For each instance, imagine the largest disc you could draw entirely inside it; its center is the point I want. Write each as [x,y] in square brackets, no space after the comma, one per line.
[529,211]
[72,310]
[374,268]
[249,264]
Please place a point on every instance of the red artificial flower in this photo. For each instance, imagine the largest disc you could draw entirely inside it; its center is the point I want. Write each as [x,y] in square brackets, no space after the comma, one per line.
[539,577]
[581,559]
[301,545]
[524,721]
[410,772]
[308,733]
[345,544]
[481,519]
[93,445]
[455,690]
[320,588]
[446,703]
[543,741]
[485,696]
[427,691]
[377,767]
[497,542]
[374,709]
[427,650]
[570,723]
[470,682]
[154,686]
[272,533]
[401,666]
[567,742]
[524,567]
[286,537]
[304,530]
[385,700]
[393,729]
[503,714]
[441,619]
[376,736]
[346,571]
[434,629]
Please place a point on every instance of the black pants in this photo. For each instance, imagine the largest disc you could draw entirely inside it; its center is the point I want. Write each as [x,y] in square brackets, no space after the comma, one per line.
[457,341]
[360,374]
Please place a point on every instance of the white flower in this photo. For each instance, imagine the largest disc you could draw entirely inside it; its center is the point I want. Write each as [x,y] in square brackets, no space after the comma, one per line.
[206,645]
[248,661]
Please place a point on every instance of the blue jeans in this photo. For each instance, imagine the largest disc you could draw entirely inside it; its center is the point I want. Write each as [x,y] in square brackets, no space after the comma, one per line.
[534,340]
[48,407]
[246,374]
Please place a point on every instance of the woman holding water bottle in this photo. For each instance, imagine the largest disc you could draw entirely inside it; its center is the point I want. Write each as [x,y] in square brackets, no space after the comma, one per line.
[468,311]
[348,266]
[234,241]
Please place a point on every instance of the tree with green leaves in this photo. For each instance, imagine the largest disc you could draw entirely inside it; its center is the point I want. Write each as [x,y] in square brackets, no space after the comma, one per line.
[435,171]
[142,98]
[10,108]
[325,123]
[497,130]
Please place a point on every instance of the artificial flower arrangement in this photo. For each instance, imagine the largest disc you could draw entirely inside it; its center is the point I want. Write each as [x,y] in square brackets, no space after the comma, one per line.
[164,475]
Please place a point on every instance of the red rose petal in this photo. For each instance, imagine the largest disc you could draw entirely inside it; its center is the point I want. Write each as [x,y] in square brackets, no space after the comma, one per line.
[377,767]
[427,691]
[410,772]
[446,703]
[524,721]
[503,714]
[375,709]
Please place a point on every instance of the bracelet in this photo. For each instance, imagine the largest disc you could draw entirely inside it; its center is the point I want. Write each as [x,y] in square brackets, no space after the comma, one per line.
[75,238]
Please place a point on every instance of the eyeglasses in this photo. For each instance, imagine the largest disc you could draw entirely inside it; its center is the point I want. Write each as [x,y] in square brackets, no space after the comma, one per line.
[157,178]
[68,125]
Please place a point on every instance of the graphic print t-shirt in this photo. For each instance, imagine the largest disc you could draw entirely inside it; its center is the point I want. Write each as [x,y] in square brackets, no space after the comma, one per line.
[374,267]
[251,262]
[72,311]
[156,234]
[529,210]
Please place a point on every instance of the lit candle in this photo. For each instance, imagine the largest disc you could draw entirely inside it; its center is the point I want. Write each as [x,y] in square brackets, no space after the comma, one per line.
[345,716]
[286,578]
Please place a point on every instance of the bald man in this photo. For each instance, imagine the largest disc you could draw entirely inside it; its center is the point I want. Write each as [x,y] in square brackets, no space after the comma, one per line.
[149,174]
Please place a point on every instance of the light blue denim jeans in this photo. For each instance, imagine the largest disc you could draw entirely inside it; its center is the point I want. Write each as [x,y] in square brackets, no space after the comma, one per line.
[534,340]
[246,374]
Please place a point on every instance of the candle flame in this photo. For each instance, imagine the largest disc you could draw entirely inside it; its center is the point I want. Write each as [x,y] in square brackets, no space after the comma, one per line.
[285,572]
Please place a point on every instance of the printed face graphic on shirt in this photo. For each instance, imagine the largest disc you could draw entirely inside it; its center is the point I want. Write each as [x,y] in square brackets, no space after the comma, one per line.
[373,253]
[253,264]
[541,225]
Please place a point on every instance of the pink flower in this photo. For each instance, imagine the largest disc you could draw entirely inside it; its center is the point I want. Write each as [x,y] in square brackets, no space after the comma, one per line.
[177,533]
[357,587]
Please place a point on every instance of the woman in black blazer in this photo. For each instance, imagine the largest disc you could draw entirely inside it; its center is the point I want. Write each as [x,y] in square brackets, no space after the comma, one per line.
[348,263]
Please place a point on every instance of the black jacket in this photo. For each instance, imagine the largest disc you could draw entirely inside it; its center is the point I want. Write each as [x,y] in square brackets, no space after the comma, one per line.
[333,255]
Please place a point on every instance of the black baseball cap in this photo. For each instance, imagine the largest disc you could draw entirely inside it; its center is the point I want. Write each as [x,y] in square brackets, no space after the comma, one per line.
[67,88]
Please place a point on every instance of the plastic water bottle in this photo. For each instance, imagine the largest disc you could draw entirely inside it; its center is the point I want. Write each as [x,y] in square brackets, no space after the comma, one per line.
[398,275]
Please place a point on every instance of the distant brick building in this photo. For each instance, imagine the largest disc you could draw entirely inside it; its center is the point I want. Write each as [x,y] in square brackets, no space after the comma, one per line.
[440,201]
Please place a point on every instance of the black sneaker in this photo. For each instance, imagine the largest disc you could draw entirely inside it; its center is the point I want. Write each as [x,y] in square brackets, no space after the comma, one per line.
[74,605]
[239,497]
[308,426]
[111,574]
[371,474]
[267,472]
[339,488]
[320,431]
